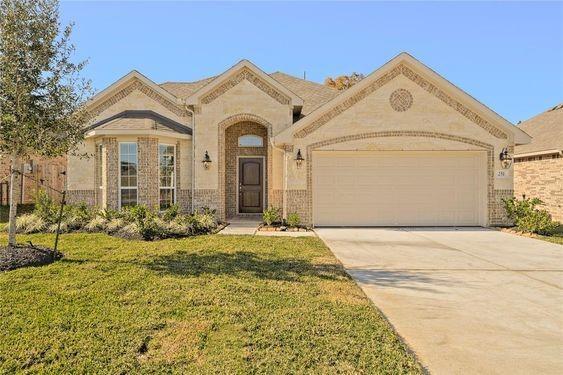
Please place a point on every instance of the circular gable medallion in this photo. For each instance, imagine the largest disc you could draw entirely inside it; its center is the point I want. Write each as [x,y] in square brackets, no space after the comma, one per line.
[400,100]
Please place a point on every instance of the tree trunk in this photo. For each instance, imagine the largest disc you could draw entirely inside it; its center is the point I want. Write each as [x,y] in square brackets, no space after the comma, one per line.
[13,200]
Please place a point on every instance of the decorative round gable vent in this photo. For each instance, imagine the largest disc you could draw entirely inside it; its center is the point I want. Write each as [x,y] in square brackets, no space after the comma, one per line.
[400,100]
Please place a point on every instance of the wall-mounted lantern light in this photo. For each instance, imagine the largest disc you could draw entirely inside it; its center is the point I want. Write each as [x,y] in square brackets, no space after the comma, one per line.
[505,158]
[206,160]
[299,159]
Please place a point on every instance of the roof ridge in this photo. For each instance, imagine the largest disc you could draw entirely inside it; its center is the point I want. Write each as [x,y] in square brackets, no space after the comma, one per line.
[188,82]
[302,79]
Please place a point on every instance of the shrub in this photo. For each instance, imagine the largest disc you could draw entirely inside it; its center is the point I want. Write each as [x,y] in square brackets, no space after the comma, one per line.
[130,231]
[30,223]
[145,220]
[45,208]
[64,228]
[528,218]
[271,215]
[97,224]
[115,225]
[171,212]
[203,222]
[293,220]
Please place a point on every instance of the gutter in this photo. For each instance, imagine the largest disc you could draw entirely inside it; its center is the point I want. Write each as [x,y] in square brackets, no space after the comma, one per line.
[539,153]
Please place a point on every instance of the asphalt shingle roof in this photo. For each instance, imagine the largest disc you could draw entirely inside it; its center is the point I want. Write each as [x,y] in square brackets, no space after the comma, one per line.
[313,94]
[546,130]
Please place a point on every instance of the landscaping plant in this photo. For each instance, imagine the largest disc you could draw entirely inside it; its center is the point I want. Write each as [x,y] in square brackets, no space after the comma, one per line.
[293,220]
[271,215]
[528,218]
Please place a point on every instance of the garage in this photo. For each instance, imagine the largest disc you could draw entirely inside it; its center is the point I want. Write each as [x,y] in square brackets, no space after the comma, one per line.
[399,188]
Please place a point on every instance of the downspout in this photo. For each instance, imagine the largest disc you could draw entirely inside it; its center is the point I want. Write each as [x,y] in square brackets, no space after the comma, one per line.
[193,153]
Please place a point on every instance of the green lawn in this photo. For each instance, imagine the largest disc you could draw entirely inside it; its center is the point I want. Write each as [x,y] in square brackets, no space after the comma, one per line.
[557,237]
[208,304]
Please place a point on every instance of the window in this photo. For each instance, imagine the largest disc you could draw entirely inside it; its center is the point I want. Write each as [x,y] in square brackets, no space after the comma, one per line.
[166,171]
[128,165]
[250,141]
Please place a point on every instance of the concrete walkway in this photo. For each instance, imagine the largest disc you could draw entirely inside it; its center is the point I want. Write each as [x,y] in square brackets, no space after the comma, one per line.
[242,225]
[469,301]
[249,226]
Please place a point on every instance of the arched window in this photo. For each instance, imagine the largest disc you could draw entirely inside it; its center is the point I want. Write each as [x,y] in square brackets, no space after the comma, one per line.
[250,140]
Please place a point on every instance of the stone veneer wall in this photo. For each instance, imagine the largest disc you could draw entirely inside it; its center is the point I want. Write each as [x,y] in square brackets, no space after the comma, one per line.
[147,178]
[541,179]
[112,171]
[297,203]
[207,198]
[497,213]
[233,151]
[79,196]
[277,199]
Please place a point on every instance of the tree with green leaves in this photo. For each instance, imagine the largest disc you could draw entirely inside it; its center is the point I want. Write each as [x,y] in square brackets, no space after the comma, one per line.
[41,89]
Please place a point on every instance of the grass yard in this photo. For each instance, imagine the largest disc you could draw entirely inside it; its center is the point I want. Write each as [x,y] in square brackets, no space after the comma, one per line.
[556,237]
[208,304]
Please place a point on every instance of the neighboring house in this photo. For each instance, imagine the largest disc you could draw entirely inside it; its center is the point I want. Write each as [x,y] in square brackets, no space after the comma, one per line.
[538,168]
[401,147]
[39,173]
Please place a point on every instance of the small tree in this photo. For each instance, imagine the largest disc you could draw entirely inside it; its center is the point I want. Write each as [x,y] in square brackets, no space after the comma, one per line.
[41,91]
[344,82]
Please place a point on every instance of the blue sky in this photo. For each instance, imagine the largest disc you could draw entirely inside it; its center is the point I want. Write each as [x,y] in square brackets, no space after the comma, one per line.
[507,55]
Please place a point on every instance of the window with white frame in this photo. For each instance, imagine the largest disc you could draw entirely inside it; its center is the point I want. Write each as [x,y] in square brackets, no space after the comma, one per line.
[250,140]
[167,175]
[128,170]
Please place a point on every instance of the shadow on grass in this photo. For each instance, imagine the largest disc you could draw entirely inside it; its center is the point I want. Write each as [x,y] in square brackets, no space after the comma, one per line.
[188,264]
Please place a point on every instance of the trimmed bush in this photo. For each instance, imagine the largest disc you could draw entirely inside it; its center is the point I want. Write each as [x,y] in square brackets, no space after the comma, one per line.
[293,220]
[97,224]
[528,218]
[271,215]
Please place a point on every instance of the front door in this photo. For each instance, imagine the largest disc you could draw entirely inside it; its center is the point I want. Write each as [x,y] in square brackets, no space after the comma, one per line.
[251,185]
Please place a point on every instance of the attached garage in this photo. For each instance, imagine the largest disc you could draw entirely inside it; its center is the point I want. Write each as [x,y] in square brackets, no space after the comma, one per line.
[399,188]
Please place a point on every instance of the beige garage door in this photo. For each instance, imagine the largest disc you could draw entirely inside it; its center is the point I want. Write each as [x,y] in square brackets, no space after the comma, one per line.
[399,188]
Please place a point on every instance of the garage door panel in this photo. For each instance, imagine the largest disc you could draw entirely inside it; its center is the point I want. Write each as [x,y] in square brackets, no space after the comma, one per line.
[398,188]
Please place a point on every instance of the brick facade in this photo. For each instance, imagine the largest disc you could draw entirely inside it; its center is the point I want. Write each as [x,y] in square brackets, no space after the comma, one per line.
[541,179]
[148,183]
[233,152]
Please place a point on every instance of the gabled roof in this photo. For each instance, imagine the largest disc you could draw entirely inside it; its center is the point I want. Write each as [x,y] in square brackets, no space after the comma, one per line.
[144,114]
[546,130]
[183,90]
[472,108]
[132,75]
[314,94]
[244,67]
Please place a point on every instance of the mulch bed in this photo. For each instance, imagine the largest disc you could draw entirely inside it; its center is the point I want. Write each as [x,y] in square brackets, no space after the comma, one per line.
[281,228]
[26,256]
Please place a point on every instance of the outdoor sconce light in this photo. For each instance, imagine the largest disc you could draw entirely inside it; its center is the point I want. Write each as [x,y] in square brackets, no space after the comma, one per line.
[505,159]
[206,160]
[299,159]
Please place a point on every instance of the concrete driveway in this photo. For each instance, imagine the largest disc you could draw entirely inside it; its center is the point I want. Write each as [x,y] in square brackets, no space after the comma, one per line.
[467,301]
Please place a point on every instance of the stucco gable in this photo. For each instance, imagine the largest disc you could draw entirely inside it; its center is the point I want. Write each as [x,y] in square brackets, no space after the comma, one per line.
[425,78]
[125,86]
[245,71]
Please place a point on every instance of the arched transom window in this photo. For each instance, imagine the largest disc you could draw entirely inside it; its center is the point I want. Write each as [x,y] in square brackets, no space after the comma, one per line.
[250,140]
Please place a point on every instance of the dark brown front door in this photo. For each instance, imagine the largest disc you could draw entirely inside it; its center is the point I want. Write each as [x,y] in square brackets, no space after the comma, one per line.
[250,187]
